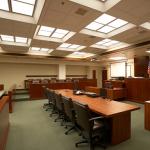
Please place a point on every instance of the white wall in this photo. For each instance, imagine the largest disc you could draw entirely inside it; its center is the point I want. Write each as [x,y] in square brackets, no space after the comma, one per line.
[76,70]
[16,73]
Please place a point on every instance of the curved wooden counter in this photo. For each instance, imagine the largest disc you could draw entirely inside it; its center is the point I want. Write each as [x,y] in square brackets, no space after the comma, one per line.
[4,121]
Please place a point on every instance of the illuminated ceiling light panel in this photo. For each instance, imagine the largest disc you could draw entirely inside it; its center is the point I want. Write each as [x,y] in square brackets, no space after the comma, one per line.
[22,7]
[80,55]
[21,40]
[148,51]
[106,29]
[7,38]
[45,31]
[146,25]
[117,58]
[4,5]
[118,23]
[44,49]
[105,19]
[107,42]
[35,48]
[64,45]
[28,1]
[70,47]
[106,23]
[59,33]
[94,26]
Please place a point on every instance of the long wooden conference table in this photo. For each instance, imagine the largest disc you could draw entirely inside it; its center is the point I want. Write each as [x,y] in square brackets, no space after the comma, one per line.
[119,113]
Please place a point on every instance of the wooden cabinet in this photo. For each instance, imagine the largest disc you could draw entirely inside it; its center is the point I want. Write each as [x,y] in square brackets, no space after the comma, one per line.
[116,93]
[147,115]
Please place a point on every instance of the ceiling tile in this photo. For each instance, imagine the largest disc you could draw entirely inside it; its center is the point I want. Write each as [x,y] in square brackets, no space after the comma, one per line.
[60,53]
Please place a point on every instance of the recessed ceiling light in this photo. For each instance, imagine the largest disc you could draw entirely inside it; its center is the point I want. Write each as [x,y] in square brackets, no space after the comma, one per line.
[35,48]
[117,58]
[21,39]
[80,55]
[105,19]
[117,23]
[8,38]
[94,26]
[4,5]
[110,43]
[61,31]
[146,25]
[22,8]
[106,29]
[148,51]
[45,31]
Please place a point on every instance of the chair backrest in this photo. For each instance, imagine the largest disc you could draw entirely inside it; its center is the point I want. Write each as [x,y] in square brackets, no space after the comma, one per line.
[68,108]
[103,92]
[59,103]
[82,116]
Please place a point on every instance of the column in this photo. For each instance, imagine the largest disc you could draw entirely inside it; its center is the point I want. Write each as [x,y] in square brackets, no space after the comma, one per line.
[62,72]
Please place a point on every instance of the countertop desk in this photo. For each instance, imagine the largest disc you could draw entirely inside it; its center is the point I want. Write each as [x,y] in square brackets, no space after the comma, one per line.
[118,112]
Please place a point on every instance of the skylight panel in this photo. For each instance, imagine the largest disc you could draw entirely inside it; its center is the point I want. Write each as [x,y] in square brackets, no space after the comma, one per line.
[103,41]
[61,31]
[106,29]
[110,43]
[45,31]
[4,5]
[35,48]
[22,8]
[44,49]
[80,55]
[105,19]
[64,45]
[57,35]
[21,39]
[117,23]
[28,1]
[94,26]
[7,38]
[74,46]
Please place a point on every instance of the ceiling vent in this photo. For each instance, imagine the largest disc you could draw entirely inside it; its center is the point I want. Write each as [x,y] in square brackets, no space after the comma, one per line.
[81,11]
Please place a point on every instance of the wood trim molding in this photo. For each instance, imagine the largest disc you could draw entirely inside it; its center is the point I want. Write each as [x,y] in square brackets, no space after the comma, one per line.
[28,76]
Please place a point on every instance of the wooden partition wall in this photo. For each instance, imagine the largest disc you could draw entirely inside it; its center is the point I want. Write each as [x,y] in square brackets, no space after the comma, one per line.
[36,89]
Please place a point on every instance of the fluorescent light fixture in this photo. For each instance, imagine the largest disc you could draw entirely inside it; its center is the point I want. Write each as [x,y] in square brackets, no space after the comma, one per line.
[117,58]
[7,38]
[107,42]
[35,48]
[148,51]
[21,40]
[94,26]
[110,43]
[64,45]
[104,19]
[117,23]
[22,8]
[106,29]
[4,5]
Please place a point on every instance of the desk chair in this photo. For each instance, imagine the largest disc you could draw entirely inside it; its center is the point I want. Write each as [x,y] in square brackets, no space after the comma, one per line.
[103,92]
[92,131]
[60,108]
[69,114]
[46,105]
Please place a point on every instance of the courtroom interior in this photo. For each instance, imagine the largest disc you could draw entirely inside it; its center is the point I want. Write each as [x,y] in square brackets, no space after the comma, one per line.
[75,74]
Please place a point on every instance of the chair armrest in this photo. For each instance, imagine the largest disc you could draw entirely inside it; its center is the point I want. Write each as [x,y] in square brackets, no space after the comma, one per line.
[96,118]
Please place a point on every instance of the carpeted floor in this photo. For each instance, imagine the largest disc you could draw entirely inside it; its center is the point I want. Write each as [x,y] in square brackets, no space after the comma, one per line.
[32,129]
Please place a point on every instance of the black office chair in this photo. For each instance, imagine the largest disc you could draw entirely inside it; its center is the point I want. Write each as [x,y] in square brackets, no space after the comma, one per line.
[103,92]
[93,132]
[60,108]
[46,106]
[69,114]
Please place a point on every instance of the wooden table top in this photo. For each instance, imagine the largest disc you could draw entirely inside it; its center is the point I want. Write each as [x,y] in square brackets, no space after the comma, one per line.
[99,105]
